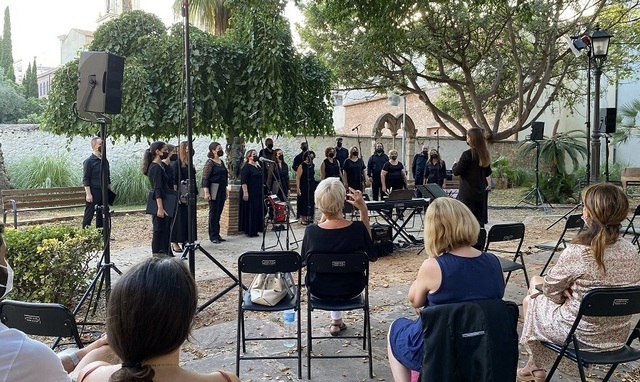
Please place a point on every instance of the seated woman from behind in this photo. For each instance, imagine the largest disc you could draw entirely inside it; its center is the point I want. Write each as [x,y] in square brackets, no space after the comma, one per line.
[334,234]
[454,272]
[596,258]
[150,314]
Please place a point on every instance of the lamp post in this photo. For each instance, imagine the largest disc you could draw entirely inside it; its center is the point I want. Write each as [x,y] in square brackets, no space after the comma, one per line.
[598,54]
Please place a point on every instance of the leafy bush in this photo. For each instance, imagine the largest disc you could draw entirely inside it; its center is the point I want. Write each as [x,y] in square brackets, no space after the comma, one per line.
[51,263]
[560,188]
[128,181]
[43,172]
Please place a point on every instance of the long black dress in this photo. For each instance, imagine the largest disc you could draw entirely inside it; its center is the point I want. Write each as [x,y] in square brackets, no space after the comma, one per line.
[394,179]
[160,186]
[251,219]
[282,175]
[215,173]
[180,229]
[306,202]
[331,169]
[473,184]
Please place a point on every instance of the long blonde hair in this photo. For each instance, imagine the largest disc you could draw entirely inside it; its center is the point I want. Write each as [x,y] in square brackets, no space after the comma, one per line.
[607,206]
[479,146]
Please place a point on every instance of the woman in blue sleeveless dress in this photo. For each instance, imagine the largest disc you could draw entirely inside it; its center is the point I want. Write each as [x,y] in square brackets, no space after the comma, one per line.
[454,272]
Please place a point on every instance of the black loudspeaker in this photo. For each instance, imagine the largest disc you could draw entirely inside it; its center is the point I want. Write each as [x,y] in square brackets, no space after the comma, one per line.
[608,120]
[100,83]
[537,131]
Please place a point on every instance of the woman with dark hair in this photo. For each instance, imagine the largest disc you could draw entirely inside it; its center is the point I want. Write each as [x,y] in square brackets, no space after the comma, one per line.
[353,171]
[330,168]
[149,316]
[180,176]
[153,167]
[306,185]
[596,258]
[474,169]
[251,219]
[281,174]
[393,175]
[214,188]
[435,170]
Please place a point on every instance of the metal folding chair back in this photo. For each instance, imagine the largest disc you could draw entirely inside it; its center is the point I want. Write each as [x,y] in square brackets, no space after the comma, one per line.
[600,302]
[256,262]
[632,229]
[503,233]
[573,223]
[41,319]
[482,240]
[345,264]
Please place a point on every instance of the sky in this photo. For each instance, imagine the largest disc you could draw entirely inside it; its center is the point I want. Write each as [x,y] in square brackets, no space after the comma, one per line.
[36,24]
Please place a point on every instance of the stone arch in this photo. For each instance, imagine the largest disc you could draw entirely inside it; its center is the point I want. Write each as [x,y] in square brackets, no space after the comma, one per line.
[394,124]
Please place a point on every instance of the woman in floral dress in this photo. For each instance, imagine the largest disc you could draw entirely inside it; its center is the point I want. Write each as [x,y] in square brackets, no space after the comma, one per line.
[596,258]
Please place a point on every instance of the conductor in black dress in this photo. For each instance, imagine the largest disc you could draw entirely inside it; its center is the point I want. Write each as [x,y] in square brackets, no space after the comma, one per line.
[214,189]
[91,170]
[251,219]
[153,168]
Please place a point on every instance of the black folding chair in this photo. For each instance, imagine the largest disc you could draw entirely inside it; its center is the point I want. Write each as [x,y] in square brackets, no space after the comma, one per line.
[601,302]
[508,232]
[268,262]
[41,319]
[632,229]
[482,240]
[573,223]
[346,264]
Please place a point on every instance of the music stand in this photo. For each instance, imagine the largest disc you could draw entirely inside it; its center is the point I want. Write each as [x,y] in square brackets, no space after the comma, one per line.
[433,190]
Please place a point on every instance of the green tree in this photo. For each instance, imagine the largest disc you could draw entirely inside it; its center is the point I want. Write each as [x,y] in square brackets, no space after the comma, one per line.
[30,81]
[11,100]
[210,15]
[6,49]
[493,64]
[627,122]
[231,80]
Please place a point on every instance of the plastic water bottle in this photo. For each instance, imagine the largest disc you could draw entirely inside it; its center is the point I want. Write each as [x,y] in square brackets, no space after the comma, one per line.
[289,319]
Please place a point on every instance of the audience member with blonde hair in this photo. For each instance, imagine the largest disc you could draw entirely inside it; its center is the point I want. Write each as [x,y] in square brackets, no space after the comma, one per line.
[149,316]
[454,272]
[334,234]
[598,257]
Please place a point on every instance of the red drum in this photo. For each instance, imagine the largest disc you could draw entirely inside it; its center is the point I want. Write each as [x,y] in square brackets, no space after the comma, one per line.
[280,212]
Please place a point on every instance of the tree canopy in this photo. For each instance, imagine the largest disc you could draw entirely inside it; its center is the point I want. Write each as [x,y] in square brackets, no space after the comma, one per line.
[6,48]
[232,77]
[493,64]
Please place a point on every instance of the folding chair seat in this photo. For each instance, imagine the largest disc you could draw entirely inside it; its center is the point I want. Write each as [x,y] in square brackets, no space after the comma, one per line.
[470,341]
[503,233]
[268,262]
[601,302]
[631,229]
[346,265]
[41,319]
[575,223]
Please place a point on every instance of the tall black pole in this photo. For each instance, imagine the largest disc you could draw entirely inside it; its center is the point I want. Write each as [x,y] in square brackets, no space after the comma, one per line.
[106,214]
[191,206]
[595,135]
[588,121]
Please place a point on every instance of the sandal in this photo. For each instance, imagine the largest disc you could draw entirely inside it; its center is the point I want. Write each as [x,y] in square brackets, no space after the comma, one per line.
[526,375]
[335,329]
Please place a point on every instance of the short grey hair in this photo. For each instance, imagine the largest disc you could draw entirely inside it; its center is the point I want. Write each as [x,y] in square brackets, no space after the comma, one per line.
[329,196]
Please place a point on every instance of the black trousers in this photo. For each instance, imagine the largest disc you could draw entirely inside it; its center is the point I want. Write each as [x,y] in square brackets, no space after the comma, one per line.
[419,181]
[215,210]
[90,209]
[161,234]
[376,189]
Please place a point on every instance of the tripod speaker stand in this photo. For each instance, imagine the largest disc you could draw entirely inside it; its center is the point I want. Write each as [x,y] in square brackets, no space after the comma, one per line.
[191,246]
[535,192]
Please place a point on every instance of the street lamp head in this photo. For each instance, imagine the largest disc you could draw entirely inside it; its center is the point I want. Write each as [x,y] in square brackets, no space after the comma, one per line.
[600,43]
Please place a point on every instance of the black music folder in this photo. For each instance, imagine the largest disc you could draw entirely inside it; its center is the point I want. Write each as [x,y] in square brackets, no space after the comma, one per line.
[400,195]
[169,203]
[432,190]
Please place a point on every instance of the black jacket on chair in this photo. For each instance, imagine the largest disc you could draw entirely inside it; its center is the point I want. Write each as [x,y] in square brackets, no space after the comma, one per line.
[470,341]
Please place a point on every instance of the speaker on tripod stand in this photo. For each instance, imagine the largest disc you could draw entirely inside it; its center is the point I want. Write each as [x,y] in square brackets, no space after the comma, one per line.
[537,135]
[607,127]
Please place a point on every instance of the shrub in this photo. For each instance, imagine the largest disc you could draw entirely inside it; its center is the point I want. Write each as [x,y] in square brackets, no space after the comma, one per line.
[51,263]
[561,188]
[43,172]
[129,183]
